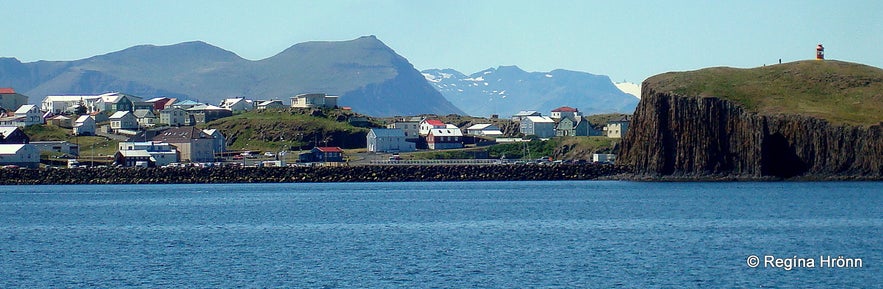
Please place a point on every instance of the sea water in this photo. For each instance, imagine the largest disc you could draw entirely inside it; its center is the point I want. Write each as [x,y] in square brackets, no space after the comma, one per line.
[444,234]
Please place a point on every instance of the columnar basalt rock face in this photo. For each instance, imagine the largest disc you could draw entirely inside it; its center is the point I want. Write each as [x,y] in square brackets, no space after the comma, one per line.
[699,136]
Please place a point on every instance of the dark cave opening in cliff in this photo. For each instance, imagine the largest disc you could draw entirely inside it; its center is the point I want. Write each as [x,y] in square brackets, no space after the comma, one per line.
[778,159]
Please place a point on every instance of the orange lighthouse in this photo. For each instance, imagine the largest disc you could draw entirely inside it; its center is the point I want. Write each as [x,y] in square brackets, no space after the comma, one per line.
[820,52]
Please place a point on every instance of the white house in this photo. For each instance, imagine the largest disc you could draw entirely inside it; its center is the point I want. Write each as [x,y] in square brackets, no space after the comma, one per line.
[24,116]
[173,116]
[113,101]
[391,140]
[30,113]
[145,117]
[61,103]
[22,155]
[307,100]
[84,125]
[484,129]
[161,153]
[123,120]
[428,124]
[564,112]
[540,126]
[238,104]
[618,127]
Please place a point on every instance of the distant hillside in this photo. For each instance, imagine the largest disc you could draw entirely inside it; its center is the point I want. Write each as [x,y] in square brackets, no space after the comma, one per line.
[368,75]
[840,92]
[508,89]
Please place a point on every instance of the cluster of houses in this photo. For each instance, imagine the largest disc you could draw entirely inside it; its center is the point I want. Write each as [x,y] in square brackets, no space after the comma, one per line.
[124,115]
[130,117]
[405,134]
[566,121]
[178,140]
[408,134]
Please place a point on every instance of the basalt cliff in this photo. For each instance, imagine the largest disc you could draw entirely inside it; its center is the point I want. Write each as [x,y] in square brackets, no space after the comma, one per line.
[808,119]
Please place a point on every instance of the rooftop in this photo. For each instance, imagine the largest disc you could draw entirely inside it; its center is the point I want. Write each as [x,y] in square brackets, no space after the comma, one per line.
[119,114]
[10,149]
[329,149]
[445,132]
[536,119]
[481,126]
[565,109]
[388,132]
[25,108]
[435,122]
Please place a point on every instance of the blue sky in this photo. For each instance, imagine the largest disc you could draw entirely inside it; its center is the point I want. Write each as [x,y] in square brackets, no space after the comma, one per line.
[627,40]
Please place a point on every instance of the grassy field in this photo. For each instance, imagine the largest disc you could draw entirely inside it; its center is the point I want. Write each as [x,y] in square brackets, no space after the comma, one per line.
[840,92]
[283,129]
[101,146]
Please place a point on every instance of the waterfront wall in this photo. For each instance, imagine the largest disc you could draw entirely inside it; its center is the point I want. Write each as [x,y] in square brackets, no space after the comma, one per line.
[308,174]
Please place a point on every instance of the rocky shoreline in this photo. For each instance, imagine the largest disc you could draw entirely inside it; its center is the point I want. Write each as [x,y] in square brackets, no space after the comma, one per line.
[188,175]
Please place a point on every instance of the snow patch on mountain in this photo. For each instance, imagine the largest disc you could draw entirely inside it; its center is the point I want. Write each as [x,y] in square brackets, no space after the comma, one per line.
[505,90]
[630,88]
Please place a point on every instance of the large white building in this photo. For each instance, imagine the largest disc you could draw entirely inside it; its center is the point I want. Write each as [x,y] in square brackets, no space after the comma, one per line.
[22,155]
[389,140]
[113,101]
[238,104]
[540,126]
[313,100]
[484,129]
[160,153]
[565,112]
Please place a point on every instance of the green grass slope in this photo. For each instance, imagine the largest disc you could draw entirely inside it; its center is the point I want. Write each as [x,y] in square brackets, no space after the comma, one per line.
[837,91]
[289,129]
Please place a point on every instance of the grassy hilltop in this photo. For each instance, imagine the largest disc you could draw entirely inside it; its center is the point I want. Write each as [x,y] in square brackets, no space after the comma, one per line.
[837,91]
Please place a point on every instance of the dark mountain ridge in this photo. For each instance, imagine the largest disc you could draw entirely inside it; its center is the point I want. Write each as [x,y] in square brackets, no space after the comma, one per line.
[368,75]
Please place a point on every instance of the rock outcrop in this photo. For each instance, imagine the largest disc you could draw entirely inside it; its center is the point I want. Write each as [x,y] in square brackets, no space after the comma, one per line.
[676,135]
[391,173]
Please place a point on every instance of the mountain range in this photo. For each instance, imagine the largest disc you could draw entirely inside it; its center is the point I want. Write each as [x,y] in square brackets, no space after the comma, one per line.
[505,90]
[367,75]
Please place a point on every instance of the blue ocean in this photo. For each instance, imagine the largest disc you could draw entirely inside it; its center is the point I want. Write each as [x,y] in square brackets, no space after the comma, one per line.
[563,234]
